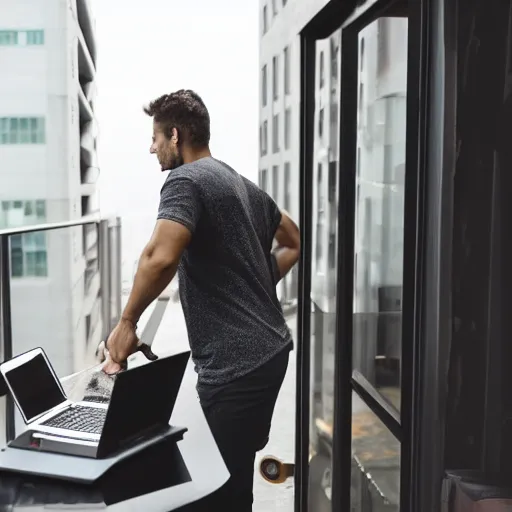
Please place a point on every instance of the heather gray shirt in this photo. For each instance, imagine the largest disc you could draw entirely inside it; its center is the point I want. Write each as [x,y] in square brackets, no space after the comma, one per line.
[227,288]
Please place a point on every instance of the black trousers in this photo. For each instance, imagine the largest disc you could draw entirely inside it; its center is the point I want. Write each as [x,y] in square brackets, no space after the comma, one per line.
[239,415]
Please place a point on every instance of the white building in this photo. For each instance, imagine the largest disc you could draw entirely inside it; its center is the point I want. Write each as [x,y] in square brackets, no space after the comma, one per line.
[48,172]
[280,22]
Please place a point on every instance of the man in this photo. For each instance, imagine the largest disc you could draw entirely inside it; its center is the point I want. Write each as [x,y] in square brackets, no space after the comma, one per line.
[218,229]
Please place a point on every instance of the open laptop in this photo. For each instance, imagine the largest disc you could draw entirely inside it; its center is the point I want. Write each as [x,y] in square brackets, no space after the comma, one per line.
[139,410]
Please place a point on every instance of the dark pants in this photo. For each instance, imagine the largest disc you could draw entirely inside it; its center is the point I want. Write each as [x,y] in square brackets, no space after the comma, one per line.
[239,415]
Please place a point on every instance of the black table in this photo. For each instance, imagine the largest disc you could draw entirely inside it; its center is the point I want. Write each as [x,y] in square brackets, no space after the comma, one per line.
[163,478]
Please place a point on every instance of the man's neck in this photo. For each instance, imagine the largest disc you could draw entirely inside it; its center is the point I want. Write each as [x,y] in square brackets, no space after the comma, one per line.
[191,155]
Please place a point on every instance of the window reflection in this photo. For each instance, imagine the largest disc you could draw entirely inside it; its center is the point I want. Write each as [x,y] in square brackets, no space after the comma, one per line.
[323,292]
[375,479]
[380,176]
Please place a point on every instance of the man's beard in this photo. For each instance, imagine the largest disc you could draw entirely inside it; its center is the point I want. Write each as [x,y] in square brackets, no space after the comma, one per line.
[173,162]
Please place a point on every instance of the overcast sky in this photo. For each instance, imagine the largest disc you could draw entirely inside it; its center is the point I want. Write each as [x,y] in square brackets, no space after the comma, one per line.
[152,47]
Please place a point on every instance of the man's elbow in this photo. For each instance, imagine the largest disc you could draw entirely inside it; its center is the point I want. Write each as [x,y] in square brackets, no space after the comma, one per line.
[158,260]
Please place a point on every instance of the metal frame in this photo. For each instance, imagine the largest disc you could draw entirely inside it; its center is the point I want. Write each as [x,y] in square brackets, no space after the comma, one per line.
[307,117]
[5,288]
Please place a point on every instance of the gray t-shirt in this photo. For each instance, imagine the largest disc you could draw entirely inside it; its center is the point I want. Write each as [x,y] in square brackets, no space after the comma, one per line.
[227,288]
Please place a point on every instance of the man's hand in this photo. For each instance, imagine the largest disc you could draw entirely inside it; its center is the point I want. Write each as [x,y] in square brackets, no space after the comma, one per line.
[121,343]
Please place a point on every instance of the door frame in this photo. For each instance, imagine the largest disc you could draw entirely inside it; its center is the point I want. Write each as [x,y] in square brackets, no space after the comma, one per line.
[427,216]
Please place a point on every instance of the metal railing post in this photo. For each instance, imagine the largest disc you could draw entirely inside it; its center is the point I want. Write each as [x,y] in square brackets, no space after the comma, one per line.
[104,257]
[6,327]
[119,271]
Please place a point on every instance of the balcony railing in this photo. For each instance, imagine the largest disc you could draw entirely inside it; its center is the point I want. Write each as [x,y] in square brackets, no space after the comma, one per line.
[67,306]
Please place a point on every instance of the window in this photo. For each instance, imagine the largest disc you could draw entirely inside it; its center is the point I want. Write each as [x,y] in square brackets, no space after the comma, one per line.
[21,37]
[379,226]
[22,130]
[8,37]
[28,250]
[35,37]
[321,122]
[382,45]
[285,2]
[361,104]
[287,178]
[275,77]
[274,8]
[263,180]
[287,70]
[334,58]
[275,133]
[320,215]
[361,54]
[287,127]
[322,70]
[265,20]
[333,169]
[263,138]
[275,183]
[264,86]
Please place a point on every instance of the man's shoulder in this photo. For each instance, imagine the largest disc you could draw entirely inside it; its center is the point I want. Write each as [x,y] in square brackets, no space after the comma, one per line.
[200,172]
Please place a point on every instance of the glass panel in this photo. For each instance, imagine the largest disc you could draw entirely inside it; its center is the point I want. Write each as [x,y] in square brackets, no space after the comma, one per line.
[323,279]
[45,283]
[16,261]
[375,479]
[378,275]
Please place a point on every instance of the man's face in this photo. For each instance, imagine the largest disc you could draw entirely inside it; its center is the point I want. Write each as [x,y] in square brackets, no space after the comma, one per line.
[167,150]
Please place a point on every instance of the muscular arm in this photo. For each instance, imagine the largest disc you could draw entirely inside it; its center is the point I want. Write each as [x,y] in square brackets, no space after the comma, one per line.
[157,266]
[287,251]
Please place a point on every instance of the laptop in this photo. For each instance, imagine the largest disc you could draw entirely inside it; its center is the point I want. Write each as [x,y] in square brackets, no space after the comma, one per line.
[139,409]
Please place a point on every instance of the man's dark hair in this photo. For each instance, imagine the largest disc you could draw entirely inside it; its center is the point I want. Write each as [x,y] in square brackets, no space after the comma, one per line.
[185,111]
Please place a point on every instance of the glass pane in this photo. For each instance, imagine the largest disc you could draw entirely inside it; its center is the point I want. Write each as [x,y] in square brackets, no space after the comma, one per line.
[323,279]
[378,275]
[375,479]
[41,264]
[16,261]
[16,241]
[30,260]
[58,306]
[29,241]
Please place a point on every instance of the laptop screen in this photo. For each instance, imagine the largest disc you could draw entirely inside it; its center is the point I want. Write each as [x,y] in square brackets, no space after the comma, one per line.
[34,386]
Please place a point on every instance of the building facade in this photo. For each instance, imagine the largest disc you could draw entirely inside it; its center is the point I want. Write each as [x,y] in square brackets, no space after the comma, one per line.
[280,23]
[48,171]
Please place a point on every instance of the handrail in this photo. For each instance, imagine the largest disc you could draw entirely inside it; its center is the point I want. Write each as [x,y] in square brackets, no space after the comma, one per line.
[86,219]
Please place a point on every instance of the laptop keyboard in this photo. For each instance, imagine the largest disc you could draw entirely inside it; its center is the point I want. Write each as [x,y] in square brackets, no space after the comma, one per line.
[80,419]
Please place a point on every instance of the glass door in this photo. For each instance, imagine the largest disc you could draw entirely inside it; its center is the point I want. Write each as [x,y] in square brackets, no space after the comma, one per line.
[378,254]
[324,264]
[355,246]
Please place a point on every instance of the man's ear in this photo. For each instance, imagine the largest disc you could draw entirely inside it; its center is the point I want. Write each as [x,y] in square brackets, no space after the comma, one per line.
[174,135]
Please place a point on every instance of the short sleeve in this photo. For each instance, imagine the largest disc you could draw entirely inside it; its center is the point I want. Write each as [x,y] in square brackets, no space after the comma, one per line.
[274,216]
[180,201]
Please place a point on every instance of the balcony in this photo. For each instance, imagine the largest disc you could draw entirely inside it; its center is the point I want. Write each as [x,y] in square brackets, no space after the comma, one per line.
[163,324]
[86,24]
